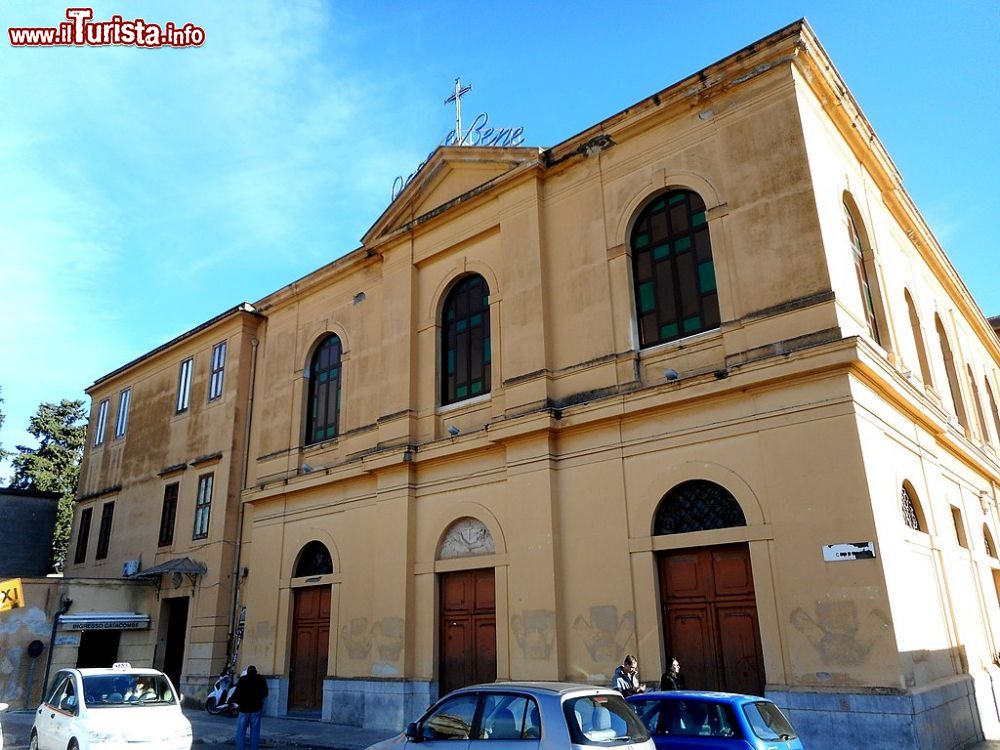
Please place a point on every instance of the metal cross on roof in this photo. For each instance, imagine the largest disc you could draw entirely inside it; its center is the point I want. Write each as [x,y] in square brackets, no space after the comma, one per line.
[456,97]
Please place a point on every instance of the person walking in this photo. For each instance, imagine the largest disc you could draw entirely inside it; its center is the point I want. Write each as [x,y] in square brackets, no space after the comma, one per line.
[626,679]
[672,679]
[249,697]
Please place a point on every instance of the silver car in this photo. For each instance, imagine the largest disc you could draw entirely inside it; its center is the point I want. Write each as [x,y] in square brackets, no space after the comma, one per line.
[525,716]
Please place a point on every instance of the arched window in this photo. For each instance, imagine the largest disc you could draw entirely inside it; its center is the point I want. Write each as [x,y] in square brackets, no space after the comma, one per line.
[993,408]
[983,429]
[325,370]
[697,505]
[918,340]
[465,341]
[859,268]
[991,548]
[910,508]
[314,560]
[672,269]
[951,372]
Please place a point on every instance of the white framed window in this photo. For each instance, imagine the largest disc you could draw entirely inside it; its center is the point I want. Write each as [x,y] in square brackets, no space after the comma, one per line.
[203,506]
[122,422]
[184,384]
[102,423]
[218,370]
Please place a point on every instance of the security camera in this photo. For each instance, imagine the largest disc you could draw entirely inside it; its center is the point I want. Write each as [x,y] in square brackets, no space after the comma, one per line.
[453,431]
[671,374]
[307,469]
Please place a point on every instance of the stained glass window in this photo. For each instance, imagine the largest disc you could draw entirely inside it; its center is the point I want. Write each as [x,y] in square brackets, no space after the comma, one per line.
[465,341]
[314,560]
[859,268]
[672,269]
[325,373]
[697,505]
[909,510]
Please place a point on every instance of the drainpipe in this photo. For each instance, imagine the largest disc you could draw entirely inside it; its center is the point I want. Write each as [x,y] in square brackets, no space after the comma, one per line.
[243,483]
[63,609]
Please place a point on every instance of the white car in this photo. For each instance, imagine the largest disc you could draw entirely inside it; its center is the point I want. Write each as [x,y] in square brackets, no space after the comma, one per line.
[111,709]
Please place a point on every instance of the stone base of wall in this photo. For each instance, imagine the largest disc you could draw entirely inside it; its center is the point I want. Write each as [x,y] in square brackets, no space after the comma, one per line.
[942,716]
[371,703]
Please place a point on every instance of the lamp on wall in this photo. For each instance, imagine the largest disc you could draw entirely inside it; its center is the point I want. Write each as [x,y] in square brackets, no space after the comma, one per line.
[671,374]
[307,469]
[453,431]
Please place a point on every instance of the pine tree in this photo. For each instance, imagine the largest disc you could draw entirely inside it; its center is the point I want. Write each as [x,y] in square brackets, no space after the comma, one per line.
[54,466]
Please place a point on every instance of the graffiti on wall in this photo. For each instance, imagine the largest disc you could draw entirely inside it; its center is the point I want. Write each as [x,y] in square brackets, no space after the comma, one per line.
[535,633]
[18,628]
[606,636]
[838,633]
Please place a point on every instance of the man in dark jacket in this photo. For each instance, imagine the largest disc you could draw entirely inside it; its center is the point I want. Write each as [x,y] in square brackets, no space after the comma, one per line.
[249,697]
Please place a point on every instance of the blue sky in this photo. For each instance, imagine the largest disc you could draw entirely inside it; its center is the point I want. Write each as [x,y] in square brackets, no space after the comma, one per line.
[143,191]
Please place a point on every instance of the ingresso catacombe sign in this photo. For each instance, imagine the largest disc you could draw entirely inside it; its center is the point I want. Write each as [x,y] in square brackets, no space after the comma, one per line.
[105,621]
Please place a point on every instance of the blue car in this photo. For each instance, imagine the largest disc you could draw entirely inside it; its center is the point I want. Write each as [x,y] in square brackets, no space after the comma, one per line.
[693,720]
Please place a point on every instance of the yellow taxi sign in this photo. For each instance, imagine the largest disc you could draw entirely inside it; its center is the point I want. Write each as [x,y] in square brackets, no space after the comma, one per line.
[11,594]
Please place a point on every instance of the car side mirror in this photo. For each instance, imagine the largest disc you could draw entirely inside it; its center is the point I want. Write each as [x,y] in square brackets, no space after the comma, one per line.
[68,703]
[413,732]
[180,699]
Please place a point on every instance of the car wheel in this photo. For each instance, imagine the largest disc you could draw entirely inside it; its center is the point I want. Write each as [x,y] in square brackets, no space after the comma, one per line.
[211,707]
[33,743]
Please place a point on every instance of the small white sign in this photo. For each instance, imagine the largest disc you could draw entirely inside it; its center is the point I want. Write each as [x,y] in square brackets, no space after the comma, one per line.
[849,551]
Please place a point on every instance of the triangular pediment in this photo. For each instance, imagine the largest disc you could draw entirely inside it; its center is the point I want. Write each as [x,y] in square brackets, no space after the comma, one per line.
[450,173]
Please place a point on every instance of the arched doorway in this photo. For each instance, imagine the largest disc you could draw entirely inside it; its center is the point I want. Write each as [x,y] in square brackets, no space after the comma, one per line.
[310,630]
[709,609]
[467,614]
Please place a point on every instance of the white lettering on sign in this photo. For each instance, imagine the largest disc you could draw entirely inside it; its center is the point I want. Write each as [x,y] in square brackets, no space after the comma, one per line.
[849,551]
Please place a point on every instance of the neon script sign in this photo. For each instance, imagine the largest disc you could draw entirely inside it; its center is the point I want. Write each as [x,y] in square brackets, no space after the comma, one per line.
[480,133]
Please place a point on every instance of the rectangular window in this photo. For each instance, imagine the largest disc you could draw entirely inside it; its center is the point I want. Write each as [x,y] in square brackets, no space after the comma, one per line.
[203,506]
[168,515]
[83,535]
[218,366]
[102,423]
[104,536]
[122,422]
[184,385]
[956,517]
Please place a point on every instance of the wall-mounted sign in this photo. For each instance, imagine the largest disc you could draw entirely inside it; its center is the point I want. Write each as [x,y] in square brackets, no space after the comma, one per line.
[11,594]
[105,621]
[849,551]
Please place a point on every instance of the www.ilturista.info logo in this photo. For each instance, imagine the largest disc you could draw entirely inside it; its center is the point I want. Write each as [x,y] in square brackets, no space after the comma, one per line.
[81,31]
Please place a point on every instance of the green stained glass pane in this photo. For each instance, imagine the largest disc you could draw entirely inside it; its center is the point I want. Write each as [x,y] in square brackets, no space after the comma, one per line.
[486,300]
[486,349]
[676,198]
[698,219]
[335,372]
[451,314]
[475,319]
[324,376]
[462,391]
[706,277]
[451,361]
[461,325]
[692,324]
[641,240]
[661,251]
[477,387]
[668,331]
[647,297]
[330,432]
[684,243]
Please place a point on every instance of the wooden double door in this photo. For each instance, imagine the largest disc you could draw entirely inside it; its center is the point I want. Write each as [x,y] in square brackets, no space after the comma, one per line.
[310,647]
[710,618]
[468,641]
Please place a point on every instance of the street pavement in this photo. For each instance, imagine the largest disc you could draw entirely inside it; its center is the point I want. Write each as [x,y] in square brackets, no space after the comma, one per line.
[301,734]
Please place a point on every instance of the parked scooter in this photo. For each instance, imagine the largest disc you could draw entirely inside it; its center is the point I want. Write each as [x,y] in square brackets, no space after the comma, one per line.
[220,699]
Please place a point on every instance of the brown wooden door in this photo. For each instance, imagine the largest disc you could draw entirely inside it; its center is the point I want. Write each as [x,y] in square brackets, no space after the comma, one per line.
[710,618]
[468,629]
[310,646]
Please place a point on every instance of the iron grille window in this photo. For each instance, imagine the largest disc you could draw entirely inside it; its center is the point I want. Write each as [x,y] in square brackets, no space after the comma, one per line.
[672,269]
[184,385]
[465,341]
[697,505]
[122,421]
[83,536]
[314,560]
[104,535]
[325,374]
[168,515]
[203,506]
[859,269]
[218,370]
[909,510]
[102,423]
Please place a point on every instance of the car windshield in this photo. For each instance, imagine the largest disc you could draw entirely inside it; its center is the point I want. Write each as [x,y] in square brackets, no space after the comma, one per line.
[603,720]
[767,721]
[127,689]
[687,717]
